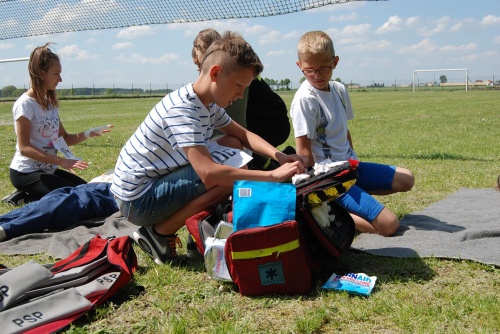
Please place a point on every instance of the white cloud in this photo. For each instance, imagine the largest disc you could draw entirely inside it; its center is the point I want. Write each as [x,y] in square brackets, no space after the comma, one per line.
[126,45]
[455,48]
[343,17]
[345,6]
[490,20]
[440,25]
[464,24]
[472,58]
[30,47]
[275,53]
[74,53]
[394,23]
[413,21]
[91,41]
[135,32]
[359,29]
[424,46]
[66,14]
[138,58]
[497,39]
[6,46]
[371,46]
[8,24]
[274,36]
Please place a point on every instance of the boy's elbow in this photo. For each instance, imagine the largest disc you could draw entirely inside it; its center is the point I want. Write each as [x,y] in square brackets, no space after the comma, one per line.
[209,178]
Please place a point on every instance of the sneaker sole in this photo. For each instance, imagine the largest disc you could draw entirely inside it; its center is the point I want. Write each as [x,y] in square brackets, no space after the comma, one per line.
[145,247]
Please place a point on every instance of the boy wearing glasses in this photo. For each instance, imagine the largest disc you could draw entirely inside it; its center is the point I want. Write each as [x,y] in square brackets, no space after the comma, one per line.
[319,111]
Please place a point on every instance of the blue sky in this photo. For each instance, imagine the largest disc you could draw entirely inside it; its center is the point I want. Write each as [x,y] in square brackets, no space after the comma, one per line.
[379,42]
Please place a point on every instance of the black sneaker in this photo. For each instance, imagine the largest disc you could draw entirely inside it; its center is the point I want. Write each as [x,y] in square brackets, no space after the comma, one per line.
[160,249]
[16,198]
[192,251]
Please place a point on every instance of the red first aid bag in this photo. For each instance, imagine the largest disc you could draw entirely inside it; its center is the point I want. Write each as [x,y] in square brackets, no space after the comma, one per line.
[269,260]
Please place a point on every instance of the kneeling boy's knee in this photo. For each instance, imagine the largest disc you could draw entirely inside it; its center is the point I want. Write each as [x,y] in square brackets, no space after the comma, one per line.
[405,181]
[389,228]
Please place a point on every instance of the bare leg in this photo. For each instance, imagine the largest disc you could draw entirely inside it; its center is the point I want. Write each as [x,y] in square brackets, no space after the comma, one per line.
[173,223]
[385,224]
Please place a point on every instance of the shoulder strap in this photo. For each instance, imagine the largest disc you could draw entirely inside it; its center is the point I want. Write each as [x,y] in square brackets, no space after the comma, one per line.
[342,100]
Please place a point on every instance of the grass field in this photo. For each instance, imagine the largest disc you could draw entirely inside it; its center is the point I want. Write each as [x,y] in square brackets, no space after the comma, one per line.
[449,139]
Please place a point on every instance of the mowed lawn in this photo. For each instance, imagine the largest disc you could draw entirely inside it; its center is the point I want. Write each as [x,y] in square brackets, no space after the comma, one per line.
[449,139]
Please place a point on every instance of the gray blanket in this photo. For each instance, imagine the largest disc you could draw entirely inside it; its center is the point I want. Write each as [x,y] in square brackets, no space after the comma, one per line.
[465,225]
[61,244]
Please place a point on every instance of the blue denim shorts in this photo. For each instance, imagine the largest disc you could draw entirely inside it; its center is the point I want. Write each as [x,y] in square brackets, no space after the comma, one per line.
[166,195]
[371,176]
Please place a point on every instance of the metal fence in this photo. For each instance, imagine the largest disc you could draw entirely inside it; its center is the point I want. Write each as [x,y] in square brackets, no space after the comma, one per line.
[11,92]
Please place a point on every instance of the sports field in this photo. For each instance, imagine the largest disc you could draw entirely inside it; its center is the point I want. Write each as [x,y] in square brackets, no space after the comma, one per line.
[449,139]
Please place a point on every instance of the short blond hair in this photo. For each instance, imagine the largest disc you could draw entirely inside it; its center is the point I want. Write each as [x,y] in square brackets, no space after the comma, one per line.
[315,42]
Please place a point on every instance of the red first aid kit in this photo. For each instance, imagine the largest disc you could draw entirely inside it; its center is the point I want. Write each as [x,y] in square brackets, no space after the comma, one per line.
[269,260]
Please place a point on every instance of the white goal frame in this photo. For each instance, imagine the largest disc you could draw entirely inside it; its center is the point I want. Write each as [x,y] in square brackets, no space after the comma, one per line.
[14,60]
[465,70]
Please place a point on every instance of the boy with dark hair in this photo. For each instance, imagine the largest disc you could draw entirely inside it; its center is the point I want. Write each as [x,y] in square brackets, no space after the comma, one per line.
[165,172]
[320,111]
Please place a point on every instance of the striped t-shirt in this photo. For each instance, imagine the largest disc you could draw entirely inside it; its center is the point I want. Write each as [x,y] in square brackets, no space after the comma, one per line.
[155,149]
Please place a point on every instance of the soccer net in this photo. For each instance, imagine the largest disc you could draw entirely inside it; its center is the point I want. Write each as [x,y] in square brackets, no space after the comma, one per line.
[427,78]
[23,18]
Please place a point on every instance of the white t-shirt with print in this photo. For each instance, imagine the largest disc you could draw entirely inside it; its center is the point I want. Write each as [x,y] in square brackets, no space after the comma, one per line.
[44,129]
[322,116]
[156,148]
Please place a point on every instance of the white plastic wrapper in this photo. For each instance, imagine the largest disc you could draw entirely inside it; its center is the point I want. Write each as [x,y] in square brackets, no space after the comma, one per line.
[215,262]
[358,284]
[223,230]
[61,146]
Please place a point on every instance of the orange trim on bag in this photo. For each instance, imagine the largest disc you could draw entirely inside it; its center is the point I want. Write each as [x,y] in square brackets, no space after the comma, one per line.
[252,254]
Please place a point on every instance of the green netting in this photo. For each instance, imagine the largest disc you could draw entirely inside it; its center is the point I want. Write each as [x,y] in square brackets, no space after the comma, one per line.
[22,18]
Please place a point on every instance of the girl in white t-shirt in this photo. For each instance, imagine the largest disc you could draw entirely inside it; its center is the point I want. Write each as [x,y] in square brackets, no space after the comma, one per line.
[40,132]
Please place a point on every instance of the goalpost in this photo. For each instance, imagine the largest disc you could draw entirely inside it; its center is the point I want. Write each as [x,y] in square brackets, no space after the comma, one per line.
[466,73]
[14,60]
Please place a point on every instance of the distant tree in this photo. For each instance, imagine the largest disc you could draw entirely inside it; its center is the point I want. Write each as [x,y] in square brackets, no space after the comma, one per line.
[443,79]
[272,83]
[109,91]
[302,79]
[338,80]
[285,84]
[8,91]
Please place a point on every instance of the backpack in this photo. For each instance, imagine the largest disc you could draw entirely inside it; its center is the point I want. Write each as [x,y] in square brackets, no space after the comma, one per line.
[38,298]
[203,224]
[329,223]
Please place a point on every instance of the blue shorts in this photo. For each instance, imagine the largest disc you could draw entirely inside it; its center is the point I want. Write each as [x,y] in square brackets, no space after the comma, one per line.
[166,195]
[371,176]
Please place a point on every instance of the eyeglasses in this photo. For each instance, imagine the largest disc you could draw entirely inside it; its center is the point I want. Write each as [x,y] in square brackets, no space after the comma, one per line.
[310,72]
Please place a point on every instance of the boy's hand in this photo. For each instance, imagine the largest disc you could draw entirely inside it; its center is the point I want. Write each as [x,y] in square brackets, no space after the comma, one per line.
[284,158]
[287,170]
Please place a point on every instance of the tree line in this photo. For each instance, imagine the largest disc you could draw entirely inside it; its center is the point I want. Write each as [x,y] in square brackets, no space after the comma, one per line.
[13,91]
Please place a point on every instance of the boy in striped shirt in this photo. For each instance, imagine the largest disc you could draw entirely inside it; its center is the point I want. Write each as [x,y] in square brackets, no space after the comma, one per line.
[165,172]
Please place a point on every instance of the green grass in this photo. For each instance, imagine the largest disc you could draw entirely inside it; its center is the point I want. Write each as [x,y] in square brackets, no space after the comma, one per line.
[449,139]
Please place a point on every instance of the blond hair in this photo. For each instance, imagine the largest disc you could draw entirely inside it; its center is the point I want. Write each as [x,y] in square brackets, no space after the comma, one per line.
[42,59]
[232,52]
[315,42]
